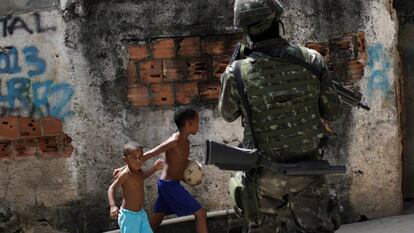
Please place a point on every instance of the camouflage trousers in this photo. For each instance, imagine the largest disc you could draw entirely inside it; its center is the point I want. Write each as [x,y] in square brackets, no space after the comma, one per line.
[294,204]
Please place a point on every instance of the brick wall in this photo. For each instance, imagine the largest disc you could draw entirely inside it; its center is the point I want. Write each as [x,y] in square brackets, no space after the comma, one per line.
[345,56]
[26,137]
[185,70]
[178,70]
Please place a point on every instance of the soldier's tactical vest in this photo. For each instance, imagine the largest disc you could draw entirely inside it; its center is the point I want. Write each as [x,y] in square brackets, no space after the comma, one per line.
[283,99]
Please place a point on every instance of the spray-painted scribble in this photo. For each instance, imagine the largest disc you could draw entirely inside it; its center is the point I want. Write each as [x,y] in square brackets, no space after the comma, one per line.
[21,93]
[12,23]
[379,66]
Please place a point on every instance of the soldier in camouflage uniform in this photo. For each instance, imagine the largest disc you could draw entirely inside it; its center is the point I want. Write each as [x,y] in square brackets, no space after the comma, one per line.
[287,101]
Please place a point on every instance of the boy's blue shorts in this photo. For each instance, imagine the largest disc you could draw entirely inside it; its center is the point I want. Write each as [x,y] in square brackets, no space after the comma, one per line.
[173,198]
[133,222]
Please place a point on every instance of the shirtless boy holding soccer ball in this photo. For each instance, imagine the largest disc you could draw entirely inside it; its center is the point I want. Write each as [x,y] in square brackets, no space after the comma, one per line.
[173,198]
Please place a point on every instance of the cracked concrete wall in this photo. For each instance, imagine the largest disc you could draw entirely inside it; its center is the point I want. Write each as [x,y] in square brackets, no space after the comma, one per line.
[92,39]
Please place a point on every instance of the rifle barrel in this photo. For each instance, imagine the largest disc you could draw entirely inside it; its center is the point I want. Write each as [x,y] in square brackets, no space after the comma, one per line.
[350,98]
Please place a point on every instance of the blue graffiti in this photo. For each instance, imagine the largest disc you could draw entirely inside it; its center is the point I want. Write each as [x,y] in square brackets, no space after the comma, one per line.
[9,61]
[45,92]
[45,97]
[379,65]
[33,59]
[65,92]
[18,89]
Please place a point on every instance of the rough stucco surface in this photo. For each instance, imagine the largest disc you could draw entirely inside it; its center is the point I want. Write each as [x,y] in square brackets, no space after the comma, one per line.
[378,190]
[91,40]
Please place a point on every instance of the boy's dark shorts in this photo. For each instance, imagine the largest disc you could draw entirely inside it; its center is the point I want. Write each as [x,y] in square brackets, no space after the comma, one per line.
[173,198]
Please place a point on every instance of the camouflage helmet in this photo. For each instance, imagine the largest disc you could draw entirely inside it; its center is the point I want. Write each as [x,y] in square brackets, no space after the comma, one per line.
[256,16]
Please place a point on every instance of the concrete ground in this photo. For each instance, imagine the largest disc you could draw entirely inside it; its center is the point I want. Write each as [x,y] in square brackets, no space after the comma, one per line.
[395,224]
[228,224]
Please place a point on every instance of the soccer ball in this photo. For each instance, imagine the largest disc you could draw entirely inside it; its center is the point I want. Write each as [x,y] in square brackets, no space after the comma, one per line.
[193,174]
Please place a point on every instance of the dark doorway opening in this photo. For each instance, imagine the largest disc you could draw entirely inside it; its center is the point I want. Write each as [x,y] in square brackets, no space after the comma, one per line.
[405,11]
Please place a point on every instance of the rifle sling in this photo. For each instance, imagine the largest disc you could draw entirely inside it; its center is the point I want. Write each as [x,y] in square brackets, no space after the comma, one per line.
[245,102]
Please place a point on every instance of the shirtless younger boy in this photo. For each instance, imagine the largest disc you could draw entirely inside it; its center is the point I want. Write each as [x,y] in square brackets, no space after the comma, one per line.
[132,217]
[173,198]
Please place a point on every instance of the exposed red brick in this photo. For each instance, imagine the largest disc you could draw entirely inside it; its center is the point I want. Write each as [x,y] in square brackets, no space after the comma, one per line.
[51,126]
[56,146]
[185,93]
[138,95]
[209,90]
[220,45]
[190,47]
[199,69]
[151,71]
[9,127]
[163,48]
[138,52]
[29,127]
[220,64]
[348,71]
[49,146]
[162,94]
[343,49]
[339,71]
[362,51]
[355,70]
[25,147]
[214,45]
[132,73]
[65,140]
[5,150]
[174,70]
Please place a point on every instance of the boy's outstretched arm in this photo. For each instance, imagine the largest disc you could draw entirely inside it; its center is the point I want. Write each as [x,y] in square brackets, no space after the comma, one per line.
[158,165]
[163,147]
[114,210]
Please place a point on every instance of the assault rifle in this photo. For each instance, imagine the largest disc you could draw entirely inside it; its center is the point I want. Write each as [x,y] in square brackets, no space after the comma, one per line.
[350,98]
[238,159]
[347,97]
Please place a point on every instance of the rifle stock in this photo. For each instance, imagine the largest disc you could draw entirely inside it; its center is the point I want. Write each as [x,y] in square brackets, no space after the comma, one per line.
[224,157]
[238,159]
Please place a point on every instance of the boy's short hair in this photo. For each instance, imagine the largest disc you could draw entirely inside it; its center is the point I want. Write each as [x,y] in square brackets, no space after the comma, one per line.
[183,114]
[130,147]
